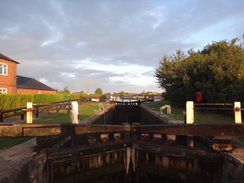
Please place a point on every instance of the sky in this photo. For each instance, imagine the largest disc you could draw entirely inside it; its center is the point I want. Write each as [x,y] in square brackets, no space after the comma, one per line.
[115,45]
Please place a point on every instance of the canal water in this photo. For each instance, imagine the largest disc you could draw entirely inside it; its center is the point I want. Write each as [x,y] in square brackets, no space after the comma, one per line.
[130,165]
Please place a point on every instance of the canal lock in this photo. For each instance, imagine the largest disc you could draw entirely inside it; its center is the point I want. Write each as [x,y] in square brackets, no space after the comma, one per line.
[130,155]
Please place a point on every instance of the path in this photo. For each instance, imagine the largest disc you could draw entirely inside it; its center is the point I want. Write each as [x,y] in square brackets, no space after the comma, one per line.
[17,118]
[14,158]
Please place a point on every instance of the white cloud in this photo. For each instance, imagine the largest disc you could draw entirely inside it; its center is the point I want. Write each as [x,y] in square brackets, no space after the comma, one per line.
[120,42]
[67,75]
[137,81]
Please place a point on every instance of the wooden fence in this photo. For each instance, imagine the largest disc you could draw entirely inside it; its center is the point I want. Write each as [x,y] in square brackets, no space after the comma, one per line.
[37,108]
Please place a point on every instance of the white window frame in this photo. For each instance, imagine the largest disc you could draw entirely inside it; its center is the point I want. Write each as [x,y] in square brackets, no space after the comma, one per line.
[4,68]
[3,90]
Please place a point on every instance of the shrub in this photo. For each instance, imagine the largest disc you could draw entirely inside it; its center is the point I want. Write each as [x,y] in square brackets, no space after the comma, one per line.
[13,101]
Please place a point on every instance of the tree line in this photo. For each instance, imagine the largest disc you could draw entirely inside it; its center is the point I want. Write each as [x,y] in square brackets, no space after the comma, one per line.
[216,73]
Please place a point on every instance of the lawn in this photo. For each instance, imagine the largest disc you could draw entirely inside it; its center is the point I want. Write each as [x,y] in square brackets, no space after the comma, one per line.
[62,117]
[201,116]
[9,142]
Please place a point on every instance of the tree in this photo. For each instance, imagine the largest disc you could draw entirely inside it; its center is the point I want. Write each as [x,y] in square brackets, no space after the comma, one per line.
[217,72]
[122,94]
[98,91]
[169,76]
[65,91]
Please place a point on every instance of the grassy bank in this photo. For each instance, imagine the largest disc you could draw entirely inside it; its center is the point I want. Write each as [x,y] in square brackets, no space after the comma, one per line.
[63,117]
[201,116]
[9,142]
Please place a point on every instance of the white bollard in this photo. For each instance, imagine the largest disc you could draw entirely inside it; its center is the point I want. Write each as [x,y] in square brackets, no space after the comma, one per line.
[29,112]
[237,105]
[74,113]
[189,112]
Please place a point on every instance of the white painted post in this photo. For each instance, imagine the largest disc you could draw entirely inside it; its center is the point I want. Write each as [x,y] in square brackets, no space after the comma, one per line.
[74,113]
[29,112]
[237,105]
[189,112]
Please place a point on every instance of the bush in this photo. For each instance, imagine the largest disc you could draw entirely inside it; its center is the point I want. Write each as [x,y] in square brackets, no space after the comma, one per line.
[47,98]
[217,72]
[13,101]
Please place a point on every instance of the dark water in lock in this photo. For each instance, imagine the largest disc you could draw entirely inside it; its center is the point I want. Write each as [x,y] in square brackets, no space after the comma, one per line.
[111,167]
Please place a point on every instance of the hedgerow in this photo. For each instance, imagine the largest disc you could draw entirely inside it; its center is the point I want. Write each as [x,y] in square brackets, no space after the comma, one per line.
[14,101]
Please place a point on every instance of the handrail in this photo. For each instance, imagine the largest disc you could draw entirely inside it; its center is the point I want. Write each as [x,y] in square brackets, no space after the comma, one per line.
[12,110]
[168,109]
[101,107]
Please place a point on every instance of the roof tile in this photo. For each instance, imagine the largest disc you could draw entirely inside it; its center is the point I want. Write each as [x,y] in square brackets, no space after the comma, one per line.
[31,83]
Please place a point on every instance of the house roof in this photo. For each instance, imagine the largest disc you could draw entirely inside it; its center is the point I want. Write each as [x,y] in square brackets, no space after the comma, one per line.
[31,83]
[7,58]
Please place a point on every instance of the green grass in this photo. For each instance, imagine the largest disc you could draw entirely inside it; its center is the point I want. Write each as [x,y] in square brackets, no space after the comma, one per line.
[62,117]
[210,117]
[240,139]
[9,142]
[88,110]
[201,116]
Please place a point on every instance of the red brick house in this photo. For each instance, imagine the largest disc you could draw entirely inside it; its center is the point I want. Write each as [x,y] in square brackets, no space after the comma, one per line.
[10,83]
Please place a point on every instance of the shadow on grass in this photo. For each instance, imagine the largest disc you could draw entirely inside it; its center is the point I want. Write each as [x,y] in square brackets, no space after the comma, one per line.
[9,142]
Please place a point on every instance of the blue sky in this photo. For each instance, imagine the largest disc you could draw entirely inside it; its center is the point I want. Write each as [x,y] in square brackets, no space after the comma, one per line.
[119,42]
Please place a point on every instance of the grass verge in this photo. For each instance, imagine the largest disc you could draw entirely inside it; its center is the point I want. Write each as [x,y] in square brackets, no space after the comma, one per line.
[201,116]
[9,142]
[63,117]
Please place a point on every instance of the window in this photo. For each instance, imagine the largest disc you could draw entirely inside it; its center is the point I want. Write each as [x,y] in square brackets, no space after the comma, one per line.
[3,69]
[3,90]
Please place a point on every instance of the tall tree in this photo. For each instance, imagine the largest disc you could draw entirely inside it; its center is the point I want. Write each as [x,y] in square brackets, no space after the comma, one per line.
[65,91]
[169,75]
[122,94]
[99,91]
[217,71]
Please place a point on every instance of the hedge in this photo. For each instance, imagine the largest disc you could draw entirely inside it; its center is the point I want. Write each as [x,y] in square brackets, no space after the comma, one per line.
[13,101]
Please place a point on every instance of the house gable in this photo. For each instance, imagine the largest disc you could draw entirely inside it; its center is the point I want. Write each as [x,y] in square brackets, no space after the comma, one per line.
[10,83]
[7,58]
[8,74]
